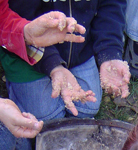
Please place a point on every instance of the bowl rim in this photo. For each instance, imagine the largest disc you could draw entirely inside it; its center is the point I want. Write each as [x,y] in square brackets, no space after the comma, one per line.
[71,122]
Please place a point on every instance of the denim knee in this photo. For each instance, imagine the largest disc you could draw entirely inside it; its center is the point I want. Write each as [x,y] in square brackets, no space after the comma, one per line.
[9,142]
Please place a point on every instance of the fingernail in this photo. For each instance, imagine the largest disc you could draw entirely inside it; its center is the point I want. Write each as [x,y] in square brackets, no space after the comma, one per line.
[94,100]
[36,125]
[72,29]
[75,113]
[61,26]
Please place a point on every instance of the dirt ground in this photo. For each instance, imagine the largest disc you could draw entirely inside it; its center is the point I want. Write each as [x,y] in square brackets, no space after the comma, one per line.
[3,90]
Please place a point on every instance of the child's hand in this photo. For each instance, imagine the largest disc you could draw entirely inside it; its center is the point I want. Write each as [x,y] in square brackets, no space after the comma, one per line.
[66,85]
[115,77]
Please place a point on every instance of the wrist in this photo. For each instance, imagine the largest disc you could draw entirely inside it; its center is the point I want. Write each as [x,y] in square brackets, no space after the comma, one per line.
[56,69]
[3,106]
[27,37]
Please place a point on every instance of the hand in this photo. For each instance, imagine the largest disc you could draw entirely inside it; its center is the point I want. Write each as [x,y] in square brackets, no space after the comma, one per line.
[19,124]
[115,77]
[64,83]
[52,28]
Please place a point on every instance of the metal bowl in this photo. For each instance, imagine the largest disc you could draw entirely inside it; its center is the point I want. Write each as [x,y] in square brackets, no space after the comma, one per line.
[83,134]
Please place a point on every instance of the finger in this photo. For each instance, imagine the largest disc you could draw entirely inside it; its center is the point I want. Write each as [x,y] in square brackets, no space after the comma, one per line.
[127,77]
[61,17]
[106,87]
[84,96]
[116,91]
[112,89]
[90,98]
[71,23]
[70,105]
[80,29]
[29,123]
[74,38]
[53,19]
[25,133]
[73,110]
[56,88]
[28,115]
[125,91]
[78,95]
[72,26]
[104,82]
[89,92]
[125,72]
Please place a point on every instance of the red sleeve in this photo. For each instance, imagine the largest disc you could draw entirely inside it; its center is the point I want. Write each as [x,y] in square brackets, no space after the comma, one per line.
[11,31]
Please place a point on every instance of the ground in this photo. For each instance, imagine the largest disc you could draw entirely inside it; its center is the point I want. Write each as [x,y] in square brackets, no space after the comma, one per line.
[3,90]
[111,108]
[121,109]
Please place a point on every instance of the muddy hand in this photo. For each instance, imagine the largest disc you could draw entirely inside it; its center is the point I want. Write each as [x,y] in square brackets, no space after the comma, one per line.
[115,77]
[52,28]
[66,85]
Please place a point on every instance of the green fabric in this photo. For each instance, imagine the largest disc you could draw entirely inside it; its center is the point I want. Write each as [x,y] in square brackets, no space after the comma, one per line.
[16,69]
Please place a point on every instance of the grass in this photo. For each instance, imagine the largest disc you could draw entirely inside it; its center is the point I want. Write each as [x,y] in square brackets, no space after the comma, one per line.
[125,110]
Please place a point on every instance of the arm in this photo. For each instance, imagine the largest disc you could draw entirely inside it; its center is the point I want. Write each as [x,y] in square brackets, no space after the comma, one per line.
[131,142]
[13,29]
[107,31]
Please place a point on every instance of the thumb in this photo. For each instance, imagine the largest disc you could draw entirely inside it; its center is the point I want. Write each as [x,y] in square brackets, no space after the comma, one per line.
[61,17]
[126,74]
[56,88]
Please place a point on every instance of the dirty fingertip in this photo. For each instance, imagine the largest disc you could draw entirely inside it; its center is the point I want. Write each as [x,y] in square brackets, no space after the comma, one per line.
[61,25]
[74,111]
[94,99]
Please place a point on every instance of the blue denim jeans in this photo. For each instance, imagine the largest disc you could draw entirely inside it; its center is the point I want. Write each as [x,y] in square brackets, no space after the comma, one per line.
[9,142]
[35,97]
[132,19]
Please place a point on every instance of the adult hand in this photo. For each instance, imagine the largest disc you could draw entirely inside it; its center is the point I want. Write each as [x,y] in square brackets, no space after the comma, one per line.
[115,77]
[19,124]
[65,84]
[52,28]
